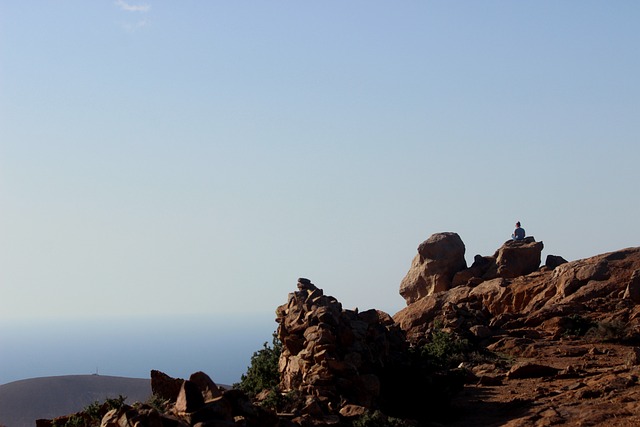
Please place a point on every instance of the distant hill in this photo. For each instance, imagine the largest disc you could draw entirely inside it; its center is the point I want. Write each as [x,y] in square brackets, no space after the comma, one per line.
[22,402]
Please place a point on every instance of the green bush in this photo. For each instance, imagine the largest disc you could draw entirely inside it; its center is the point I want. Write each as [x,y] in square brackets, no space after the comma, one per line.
[91,415]
[445,350]
[378,419]
[262,373]
[577,325]
[158,403]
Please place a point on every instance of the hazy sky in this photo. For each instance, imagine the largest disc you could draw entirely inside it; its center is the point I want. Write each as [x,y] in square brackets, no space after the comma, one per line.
[174,157]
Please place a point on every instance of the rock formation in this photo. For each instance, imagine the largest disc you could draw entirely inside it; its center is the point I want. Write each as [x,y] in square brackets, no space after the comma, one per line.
[340,361]
[516,258]
[323,343]
[578,320]
[556,345]
[603,284]
[440,265]
[439,258]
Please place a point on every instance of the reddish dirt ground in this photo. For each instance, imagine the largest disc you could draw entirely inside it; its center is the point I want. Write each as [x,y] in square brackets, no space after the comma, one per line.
[596,384]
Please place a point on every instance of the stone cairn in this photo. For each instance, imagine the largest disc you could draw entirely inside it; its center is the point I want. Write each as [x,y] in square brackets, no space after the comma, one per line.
[335,358]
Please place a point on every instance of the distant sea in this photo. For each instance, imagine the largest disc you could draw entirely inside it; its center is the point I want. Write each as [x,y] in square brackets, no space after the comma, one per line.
[220,345]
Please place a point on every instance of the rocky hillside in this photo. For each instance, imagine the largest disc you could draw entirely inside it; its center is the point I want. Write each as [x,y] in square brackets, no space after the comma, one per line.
[569,331]
[507,341]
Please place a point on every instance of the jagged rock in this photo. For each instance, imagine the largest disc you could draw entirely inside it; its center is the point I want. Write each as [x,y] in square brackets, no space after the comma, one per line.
[207,387]
[189,399]
[553,261]
[632,291]
[432,270]
[512,259]
[164,386]
[479,268]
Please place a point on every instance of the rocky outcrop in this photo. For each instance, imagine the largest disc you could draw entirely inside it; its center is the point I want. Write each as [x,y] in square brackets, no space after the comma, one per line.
[568,334]
[512,259]
[440,265]
[334,357]
[572,330]
[343,361]
[439,258]
[600,287]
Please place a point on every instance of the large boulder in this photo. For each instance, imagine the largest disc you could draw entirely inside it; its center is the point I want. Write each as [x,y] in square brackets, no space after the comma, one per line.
[516,258]
[439,258]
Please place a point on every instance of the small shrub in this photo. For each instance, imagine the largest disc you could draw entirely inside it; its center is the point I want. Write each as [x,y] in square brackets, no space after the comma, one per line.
[577,325]
[76,420]
[614,331]
[282,402]
[378,419]
[272,401]
[482,356]
[262,373]
[91,415]
[157,403]
[445,350]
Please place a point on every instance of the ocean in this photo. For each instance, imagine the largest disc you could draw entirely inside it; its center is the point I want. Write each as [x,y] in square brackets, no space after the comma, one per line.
[220,345]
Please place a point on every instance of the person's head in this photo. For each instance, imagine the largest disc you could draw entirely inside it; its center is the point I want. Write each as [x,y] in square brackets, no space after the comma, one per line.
[518,224]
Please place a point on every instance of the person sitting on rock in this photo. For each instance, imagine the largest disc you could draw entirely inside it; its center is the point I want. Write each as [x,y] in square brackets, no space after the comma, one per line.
[518,233]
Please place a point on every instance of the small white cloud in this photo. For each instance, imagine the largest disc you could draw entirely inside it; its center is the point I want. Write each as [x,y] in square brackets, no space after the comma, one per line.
[132,7]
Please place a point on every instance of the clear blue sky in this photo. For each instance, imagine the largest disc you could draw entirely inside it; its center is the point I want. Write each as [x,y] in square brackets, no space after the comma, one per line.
[200,156]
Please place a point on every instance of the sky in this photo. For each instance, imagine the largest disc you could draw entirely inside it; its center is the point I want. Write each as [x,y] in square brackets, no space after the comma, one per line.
[132,347]
[178,158]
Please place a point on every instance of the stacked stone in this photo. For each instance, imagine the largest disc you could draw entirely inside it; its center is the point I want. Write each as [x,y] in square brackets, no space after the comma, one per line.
[333,357]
